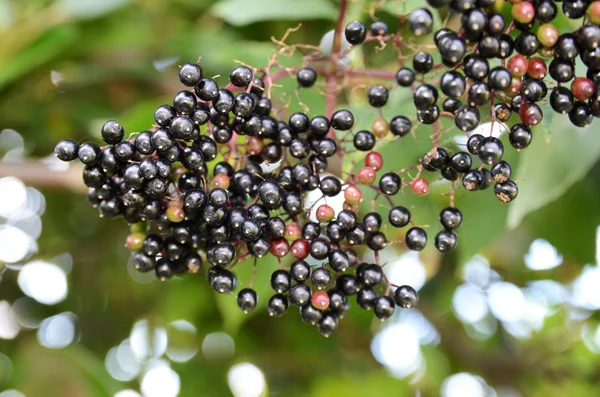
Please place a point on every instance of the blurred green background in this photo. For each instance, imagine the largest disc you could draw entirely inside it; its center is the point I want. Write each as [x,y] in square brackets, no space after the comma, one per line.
[510,313]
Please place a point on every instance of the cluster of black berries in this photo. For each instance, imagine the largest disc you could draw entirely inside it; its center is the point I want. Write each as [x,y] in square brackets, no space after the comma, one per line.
[524,50]
[183,215]
[219,180]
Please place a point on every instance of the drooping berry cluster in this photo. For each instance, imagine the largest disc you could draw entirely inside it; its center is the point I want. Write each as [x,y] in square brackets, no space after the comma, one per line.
[237,211]
[219,179]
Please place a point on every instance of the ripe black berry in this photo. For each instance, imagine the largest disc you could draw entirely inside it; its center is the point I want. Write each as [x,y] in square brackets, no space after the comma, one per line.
[445,241]
[299,295]
[355,32]
[321,278]
[390,183]
[89,153]
[371,275]
[240,76]
[506,191]
[190,74]
[420,21]
[490,150]
[399,216]
[310,315]
[247,300]
[66,150]
[327,325]
[112,132]
[405,77]
[406,297]
[342,120]
[461,162]
[347,284]
[383,307]
[422,62]
[400,126]
[378,96]
[451,218]
[415,239]
[277,305]
[520,136]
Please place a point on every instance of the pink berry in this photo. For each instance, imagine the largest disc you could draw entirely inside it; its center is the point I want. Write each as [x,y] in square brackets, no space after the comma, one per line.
[420,187]
[374,160]
[320,300]
[280,248]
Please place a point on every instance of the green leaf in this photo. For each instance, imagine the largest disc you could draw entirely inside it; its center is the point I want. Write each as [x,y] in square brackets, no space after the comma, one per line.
[87,9]
[343,384]
[578,240]
[49,46]
[548,169]
[40,371]
[244,12]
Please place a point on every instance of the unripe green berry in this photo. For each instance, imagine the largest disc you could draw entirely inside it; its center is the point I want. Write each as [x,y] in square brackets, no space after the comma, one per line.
[175,213]
[134,241]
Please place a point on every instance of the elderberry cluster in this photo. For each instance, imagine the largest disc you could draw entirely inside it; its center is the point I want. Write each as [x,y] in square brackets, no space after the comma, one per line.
[492,62]
[220,179]
[183,215]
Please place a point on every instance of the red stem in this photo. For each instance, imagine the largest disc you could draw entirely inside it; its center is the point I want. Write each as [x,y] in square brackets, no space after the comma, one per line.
[337,37]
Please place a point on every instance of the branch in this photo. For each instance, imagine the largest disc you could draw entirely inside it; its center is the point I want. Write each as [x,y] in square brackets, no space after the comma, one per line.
[35,173]
[375,73]
[337,37]
[331,89]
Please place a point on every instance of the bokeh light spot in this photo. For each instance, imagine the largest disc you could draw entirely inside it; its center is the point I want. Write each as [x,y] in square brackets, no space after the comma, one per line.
[44,282]
[15,244]
[9,328]
[469,303]
[218,346]
[506,301]
[160,381]
[246,380]
[13,196]
[57,331]
[542,256]
[182,341]
[464,385]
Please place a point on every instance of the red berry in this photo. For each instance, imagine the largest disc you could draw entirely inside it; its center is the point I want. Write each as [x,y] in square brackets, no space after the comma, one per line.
[420,187]
[537,68]
[523,12]
[582,88]
[292,232]
[320,300]
[530,114]
[517,65]
[325,213]
[221,180]
[300,249]
[367,176]
[280,248]
[593,12]
[515,86]
[353,195]
[374,160]
[253,145]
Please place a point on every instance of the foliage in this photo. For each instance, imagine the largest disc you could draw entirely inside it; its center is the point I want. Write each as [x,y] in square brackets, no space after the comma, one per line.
[66,65]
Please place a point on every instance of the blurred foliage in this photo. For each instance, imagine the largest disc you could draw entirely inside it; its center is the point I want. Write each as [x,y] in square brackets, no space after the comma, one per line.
[68,65]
